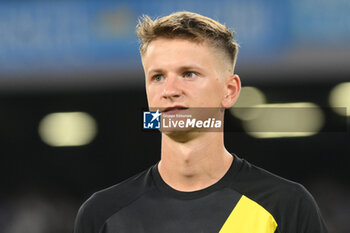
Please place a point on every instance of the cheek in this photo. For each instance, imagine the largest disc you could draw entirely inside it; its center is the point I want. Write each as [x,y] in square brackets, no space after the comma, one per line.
[216,95]
[151,96]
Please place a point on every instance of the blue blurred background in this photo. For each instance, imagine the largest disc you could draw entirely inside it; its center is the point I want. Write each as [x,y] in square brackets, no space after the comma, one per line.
[74,66]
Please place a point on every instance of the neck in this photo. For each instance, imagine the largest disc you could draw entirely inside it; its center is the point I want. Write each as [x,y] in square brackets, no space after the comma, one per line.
[194,163]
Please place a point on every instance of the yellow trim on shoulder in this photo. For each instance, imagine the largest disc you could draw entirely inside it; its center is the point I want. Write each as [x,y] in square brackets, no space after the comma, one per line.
[249,217]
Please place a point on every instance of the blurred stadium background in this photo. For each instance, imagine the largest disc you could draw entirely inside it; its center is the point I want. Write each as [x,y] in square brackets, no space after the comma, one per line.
[72,96]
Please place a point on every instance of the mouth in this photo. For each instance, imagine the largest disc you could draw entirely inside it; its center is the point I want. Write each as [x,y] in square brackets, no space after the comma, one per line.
[174,109]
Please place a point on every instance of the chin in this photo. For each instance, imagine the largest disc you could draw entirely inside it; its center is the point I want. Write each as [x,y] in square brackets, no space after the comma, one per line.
[183,135]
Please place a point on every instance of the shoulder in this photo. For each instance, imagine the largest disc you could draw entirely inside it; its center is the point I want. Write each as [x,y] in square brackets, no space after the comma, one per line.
[102,204]
[290,203]
[120,194]
[256,182]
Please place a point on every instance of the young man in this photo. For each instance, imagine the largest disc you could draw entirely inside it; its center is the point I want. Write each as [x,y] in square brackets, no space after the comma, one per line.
[197,186]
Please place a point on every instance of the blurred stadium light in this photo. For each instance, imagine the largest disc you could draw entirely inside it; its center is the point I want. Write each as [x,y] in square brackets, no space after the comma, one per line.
[285,120]
[68,129]
[244,108]
[339,98]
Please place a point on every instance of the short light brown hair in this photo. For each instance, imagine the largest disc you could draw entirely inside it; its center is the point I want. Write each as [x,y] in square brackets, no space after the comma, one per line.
[190,26]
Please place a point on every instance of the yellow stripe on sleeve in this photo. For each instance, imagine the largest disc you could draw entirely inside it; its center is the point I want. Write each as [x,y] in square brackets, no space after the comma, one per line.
[249,217]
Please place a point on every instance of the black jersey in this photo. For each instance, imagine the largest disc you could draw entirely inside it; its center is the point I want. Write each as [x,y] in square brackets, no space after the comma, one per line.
[247,199]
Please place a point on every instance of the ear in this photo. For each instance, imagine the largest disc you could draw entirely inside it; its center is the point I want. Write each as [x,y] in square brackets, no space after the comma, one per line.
[232,90]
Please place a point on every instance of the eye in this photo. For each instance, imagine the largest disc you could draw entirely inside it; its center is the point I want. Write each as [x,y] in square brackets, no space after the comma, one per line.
[157,77]
[190,74]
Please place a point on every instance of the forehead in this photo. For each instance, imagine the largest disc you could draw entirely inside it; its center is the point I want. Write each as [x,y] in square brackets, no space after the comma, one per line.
[174,51]
[178,44]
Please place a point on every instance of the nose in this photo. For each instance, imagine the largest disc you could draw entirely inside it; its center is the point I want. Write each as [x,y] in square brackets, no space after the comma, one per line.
[172,88]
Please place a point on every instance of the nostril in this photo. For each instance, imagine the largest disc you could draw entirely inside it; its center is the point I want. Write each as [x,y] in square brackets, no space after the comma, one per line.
[171,94]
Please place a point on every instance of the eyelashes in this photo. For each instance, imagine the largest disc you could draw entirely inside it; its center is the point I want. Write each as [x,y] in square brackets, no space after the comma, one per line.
[187,74]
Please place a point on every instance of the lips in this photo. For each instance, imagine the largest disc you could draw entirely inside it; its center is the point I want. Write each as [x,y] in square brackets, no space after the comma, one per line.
[175,108]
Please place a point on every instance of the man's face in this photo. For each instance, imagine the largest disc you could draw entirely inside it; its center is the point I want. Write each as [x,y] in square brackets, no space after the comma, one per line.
[181,73]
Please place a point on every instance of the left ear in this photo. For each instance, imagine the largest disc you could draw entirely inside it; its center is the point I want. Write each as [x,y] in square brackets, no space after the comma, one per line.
[232,90]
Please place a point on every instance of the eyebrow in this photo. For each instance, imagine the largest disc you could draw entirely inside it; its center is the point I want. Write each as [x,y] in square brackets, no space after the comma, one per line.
[180,69]
[155,71]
